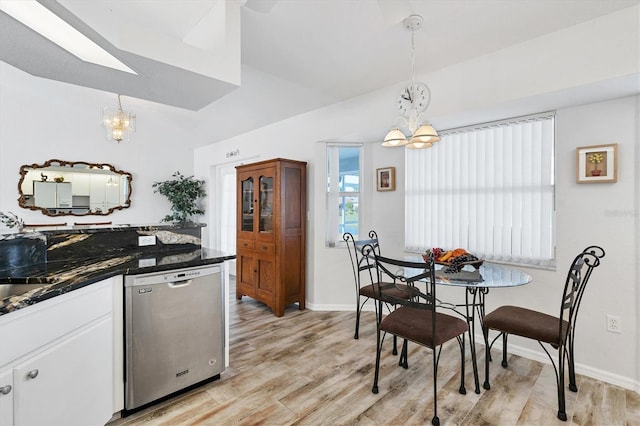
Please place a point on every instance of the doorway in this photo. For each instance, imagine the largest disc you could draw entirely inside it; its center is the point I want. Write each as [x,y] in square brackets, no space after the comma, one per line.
[223,210]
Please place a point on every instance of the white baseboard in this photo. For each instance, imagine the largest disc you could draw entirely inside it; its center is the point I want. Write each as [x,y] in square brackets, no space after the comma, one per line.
[586,370]
[540,356]
[368,307]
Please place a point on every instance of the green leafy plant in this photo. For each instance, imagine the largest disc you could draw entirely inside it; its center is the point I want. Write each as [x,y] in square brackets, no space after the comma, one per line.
[183,193]
[11,220]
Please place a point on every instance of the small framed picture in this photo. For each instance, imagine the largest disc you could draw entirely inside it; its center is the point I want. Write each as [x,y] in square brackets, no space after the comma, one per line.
[386,179]
[597,163]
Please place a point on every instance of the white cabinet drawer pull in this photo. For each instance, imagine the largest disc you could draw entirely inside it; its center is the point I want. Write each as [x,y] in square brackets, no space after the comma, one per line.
[5,390]
[32,374]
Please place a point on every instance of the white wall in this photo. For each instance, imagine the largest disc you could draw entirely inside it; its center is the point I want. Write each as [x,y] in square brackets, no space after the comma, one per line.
[553,72]
[606,215]
[43,119]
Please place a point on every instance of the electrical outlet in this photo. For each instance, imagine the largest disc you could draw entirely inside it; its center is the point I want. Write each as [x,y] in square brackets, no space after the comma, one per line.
[146,240]
[614,324]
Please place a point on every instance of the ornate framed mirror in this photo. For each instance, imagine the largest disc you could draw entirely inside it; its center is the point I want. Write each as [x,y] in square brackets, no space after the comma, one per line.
[64,188]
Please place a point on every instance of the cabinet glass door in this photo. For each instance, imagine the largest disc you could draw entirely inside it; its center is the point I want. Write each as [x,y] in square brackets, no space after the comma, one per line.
[266,204]
[247,205]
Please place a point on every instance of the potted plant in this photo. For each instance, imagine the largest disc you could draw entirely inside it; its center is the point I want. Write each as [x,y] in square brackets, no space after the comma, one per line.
[183,193]
[11,220]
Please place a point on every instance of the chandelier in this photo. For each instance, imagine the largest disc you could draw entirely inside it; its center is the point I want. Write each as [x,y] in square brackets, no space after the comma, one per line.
[111,182]
[412,103]
[119,124]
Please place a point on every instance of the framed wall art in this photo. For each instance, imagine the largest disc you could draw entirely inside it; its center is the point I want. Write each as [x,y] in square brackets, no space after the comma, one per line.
[386,179]
[597,163]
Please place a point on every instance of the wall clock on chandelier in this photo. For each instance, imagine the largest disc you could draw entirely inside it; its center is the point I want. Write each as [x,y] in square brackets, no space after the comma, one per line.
[414,97]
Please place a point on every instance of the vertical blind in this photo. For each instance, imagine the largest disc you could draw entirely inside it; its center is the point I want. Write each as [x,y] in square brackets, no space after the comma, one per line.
[487,188]
[333,195]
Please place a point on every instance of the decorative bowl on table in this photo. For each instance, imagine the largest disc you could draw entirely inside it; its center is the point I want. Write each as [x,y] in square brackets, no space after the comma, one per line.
[454,260]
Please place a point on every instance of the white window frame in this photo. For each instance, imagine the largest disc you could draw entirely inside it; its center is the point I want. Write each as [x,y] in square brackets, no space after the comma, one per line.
[333,194]
[488,188]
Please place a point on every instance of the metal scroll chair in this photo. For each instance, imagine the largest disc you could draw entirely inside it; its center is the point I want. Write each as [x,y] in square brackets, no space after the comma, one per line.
[362,274]
[558,332]
[417,319]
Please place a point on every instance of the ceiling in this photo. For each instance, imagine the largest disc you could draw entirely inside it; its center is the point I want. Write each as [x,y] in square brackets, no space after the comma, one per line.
[252,62]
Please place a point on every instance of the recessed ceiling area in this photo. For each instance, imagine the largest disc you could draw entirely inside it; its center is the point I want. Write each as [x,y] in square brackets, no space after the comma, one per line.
[187,65]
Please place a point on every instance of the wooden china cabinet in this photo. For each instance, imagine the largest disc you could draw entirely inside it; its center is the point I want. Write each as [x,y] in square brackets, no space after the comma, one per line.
[270,241]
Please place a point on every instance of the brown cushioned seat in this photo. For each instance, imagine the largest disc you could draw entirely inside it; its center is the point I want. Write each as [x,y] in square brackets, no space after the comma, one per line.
[416,325]
[400,291]
[527,323]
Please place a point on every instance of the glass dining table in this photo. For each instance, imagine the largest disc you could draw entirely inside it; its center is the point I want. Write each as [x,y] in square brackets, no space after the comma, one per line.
[477,282]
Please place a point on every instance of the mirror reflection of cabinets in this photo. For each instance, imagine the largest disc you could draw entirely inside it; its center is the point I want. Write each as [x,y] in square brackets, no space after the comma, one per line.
[62,188]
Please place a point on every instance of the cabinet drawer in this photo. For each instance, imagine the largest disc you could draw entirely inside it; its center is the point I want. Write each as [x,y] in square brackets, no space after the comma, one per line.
[265,248]
[246,244]
[26,330]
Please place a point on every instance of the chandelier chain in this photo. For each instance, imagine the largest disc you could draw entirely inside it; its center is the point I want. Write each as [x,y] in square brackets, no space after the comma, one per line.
[413,60]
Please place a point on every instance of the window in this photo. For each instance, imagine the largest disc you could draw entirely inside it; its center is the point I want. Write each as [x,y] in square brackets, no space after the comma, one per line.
[487,188]
[344,165]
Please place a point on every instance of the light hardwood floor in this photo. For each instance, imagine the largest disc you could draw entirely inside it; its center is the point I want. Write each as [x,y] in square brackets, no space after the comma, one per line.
[305,368]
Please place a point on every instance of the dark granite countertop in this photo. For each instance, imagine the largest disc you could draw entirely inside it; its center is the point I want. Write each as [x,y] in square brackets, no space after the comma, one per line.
[41,281]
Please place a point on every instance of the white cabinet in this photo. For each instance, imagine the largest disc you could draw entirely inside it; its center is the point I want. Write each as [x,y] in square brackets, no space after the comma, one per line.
[105,192]
[52,194]
[63,193]
[6,397]
[112,195]
[98,191]
[81,184]
[45,194]
[58,356]
[68,383]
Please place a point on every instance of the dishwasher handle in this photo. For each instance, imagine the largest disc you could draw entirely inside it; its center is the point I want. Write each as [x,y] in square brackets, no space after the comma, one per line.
[178,284]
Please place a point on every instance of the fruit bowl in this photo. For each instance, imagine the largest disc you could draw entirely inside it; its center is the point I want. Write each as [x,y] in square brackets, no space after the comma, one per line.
[454,260]
[475,263]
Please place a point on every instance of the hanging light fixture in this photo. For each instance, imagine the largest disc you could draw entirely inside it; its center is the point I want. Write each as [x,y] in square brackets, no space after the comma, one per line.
[413,102]
[119,124]
[112,182]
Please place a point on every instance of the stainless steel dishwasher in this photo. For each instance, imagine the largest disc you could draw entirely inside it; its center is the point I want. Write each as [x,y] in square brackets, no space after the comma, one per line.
[174,332]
